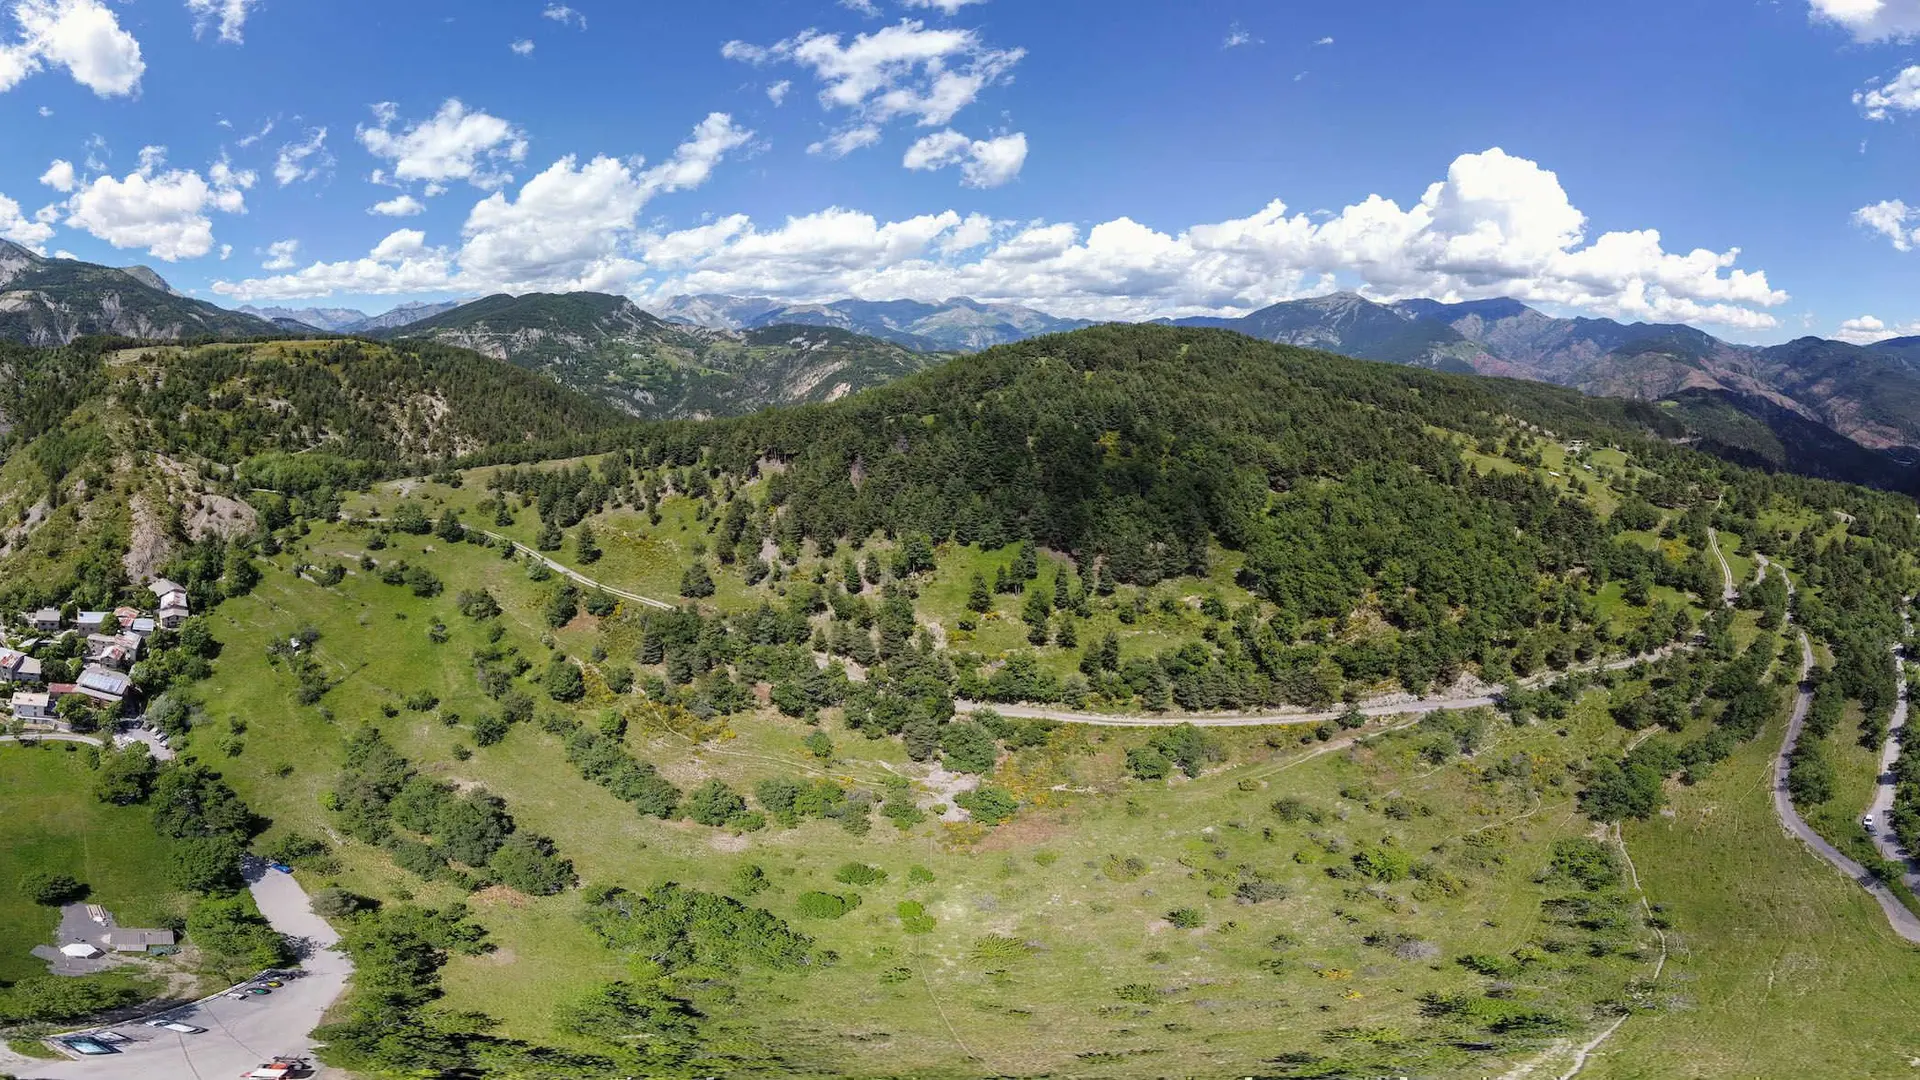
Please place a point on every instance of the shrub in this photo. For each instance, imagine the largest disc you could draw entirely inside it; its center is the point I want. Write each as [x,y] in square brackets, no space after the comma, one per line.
[1259,890]
[714,803]
[989,805]
[51,889]
[338,903]
[998,949]
[914,918]
[825,905]
[563,681]
[854,873]
[1293,809]
[530,864]
[1186,918]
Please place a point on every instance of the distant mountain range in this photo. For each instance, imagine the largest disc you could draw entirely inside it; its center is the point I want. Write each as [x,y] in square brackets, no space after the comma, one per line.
[609,347]
[1811,405]
[350,320]
[958,325]
[52,301]
[1868,394]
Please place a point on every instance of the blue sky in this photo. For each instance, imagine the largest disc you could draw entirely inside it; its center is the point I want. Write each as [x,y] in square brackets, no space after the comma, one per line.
[1745,166]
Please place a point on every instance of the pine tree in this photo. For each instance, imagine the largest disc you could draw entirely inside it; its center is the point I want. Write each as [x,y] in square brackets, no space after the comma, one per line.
[550,537]
[586,545]
[979,599]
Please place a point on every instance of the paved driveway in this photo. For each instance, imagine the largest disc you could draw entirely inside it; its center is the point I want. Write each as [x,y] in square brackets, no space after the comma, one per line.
[240,1034]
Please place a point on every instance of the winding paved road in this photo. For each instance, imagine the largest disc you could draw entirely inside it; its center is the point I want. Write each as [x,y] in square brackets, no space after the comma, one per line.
[1904,922]
[1396,707]
[240,1034]
[1883,792]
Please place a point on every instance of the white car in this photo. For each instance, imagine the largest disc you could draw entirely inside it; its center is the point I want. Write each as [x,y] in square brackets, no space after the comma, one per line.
[1867,822]
[175,1025]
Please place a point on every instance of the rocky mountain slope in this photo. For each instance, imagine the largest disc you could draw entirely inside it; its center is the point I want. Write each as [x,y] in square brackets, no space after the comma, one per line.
[47,301]
[957,325]
[608,347]
[352,320]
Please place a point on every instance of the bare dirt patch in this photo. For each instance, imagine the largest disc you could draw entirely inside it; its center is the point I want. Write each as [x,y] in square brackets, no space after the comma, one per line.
[500,896]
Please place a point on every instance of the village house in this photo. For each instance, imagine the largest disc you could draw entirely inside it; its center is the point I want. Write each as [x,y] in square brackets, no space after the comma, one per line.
[122,939]
[125,616]
[91,622]
[18,667]
[104,685]
[118,652]
[46,620]
[29,705]
[142,627]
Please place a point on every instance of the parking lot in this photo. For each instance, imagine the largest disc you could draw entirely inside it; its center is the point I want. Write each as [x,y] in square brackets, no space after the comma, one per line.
[239,1034]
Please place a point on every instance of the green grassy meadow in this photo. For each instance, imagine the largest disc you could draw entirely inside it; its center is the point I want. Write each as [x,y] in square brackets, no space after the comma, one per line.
[1248,982]
[54,823]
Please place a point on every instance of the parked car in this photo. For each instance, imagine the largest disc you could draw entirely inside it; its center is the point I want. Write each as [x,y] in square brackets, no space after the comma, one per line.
[108,1037]
[175,1025]
[274,983]
[1867,822]
[89,1047]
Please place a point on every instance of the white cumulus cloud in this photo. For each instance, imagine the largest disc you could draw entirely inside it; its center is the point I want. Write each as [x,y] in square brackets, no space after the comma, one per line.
[564,15]
[280,255]
[570,227]
[984,163]
[165,211]
[777,93]
[523,47]
[59,176]
[82,36]
[302,160]
[1868,330]
[907,70]
[1898,94]
[1890,219]
[22,230]
[456,143]
[846,141]
[941,6]
[229,16]
[1498,225]
[1871,20]
[398,206]
[945,7]
[1495,225]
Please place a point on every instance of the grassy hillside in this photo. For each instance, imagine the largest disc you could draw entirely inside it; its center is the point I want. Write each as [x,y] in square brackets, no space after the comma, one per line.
[115,455]
[751,829]
[55,825]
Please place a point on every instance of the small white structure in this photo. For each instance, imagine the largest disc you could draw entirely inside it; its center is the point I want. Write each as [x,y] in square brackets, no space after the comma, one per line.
[32,706]
[80,950]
